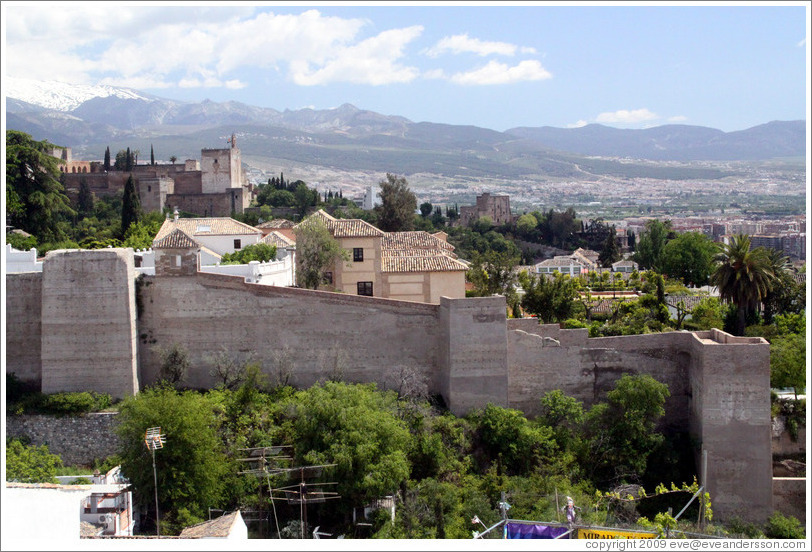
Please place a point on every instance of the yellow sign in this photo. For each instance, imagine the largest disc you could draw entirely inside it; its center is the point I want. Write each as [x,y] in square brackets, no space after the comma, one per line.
[611,534]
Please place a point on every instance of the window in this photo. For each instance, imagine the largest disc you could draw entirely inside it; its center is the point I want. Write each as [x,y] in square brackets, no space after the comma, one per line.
[176,261]
[365,288]
[237,244]
[328,278]
[358,255]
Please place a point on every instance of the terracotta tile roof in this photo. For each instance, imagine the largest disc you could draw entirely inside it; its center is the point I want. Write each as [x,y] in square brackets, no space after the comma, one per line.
[177,239]
[212,226]
[278,239]
[414,240]
[276,223]
[220,527]
[690,301]
[426,263]
[346,228]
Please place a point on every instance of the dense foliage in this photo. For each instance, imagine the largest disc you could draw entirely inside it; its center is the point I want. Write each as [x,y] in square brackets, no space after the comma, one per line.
[371,443]
[30,464]
[261,252]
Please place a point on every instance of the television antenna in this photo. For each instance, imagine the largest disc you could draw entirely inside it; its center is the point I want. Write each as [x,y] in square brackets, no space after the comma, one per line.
[303,493]
[155,440]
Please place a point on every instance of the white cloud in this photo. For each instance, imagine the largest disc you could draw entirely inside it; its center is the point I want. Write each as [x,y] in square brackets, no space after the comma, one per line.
[147,47]
[802,43]
[373,61]
[627,116]
[499,73]
[578,124]
[460,44]
[677,119]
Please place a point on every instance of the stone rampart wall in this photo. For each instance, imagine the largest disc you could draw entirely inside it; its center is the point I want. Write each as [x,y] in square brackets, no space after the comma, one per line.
[78,440]
[88,322]
[789,497]
[542,358]
[23,347]
[298,335]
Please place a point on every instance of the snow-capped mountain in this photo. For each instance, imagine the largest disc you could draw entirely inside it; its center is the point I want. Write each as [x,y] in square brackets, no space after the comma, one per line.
[63,96]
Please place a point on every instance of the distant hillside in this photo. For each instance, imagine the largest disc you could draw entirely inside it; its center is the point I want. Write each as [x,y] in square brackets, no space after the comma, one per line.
[675,142]
[347,138]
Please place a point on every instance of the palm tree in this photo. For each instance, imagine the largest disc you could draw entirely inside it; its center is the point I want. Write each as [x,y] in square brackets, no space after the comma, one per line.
[782,283]
[743,276]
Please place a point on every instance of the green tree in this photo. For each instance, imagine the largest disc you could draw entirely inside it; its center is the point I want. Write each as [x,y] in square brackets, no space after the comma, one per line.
[426,209]
[565,415]
[141,234]
[85,200]
[743,276]
[261,252]
[788,362]
[651,244]
[131,206]
[689,257]
[493,273]
[173,158]
[174,364]
[35,198]
[509,437]
[192,468]
[610,253]
[398,205]
[526,224]
[621,432]
[29,463]
[107,159]
[551,299]
[316,252]
[357,428]
[707,314]
[151,155]
[305,197]
[785,295]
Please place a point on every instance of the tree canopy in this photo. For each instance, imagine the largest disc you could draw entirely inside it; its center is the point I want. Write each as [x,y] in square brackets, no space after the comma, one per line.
[398,205]
[316,252]
[689,257]
[744,276]
[35,198]
[191,467]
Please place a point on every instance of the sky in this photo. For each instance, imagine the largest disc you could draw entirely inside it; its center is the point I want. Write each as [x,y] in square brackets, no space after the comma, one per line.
[726,66]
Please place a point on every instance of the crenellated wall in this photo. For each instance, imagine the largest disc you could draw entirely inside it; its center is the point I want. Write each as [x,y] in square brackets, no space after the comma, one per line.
[464,349]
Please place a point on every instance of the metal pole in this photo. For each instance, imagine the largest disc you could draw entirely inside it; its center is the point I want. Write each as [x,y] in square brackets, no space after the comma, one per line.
[157,515]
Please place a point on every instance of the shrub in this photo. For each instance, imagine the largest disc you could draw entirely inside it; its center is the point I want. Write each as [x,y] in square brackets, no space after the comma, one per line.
[60,404]
[780,526]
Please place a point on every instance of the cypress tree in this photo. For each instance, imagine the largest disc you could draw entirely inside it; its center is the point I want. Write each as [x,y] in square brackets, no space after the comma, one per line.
[85,201]
[128,164]
[151,155]
[107,159]
[130,206]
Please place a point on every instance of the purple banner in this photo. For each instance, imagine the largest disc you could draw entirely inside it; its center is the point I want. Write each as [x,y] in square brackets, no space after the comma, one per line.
[532,531]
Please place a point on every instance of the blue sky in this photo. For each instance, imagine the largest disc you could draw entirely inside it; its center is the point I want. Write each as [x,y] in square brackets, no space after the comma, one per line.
[725,66]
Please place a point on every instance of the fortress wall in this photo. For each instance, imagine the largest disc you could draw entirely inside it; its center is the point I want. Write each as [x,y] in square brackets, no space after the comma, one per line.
[188,182]
[23,349]
[306,335]
[476,354]
[544,358]
[88,322]
[735,428]
[204,205]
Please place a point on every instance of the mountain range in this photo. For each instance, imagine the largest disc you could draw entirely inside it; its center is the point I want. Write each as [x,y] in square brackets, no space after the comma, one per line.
[90,118]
